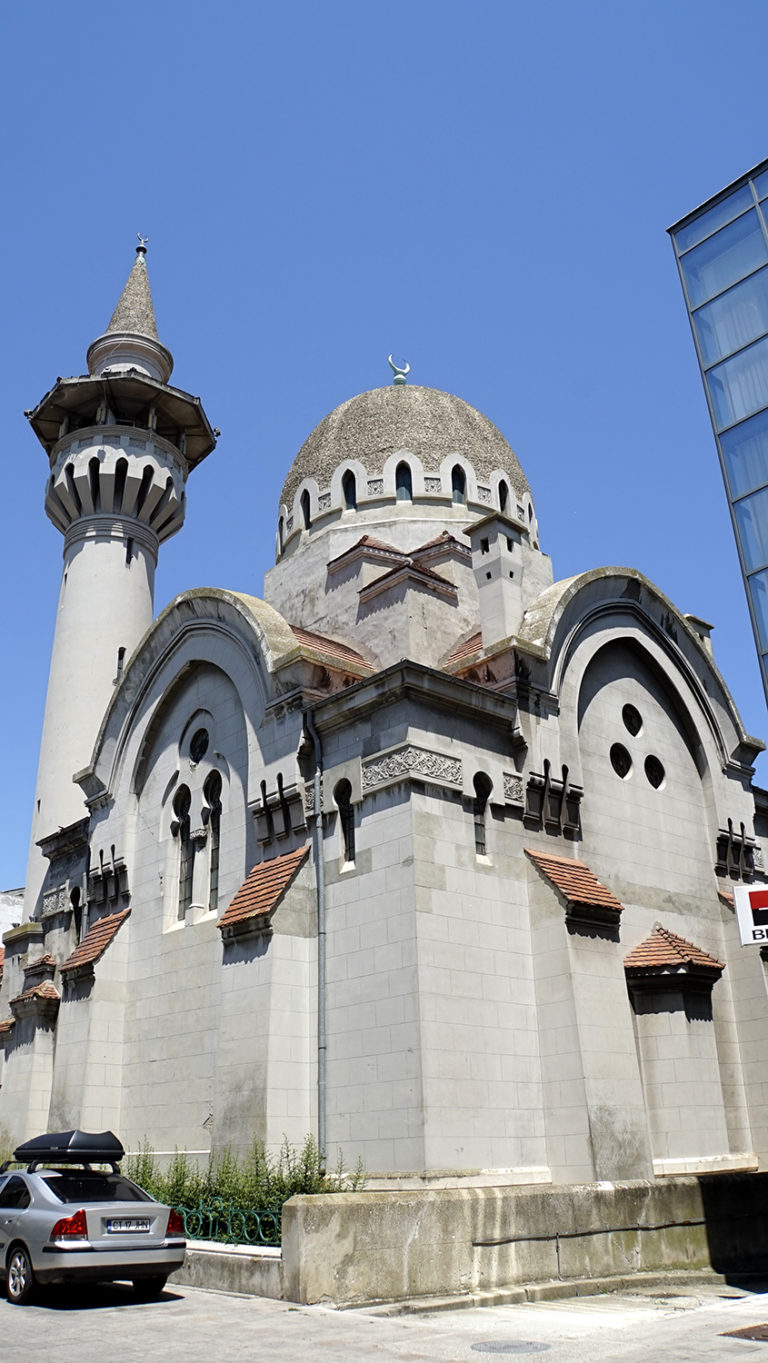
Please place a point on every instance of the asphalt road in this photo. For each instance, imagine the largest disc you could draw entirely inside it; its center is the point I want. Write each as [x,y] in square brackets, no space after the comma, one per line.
[188,1324]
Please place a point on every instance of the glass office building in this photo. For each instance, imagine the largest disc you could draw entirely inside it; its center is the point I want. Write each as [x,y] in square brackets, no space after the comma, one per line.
[722,255]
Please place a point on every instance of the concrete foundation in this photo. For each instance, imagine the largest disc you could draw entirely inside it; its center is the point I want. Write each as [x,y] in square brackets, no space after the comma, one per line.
[357,1248]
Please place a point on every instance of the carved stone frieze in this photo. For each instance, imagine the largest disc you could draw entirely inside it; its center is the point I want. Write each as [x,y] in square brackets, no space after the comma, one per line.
[375,487]
[433,485]
[412,760]
[324,501]
[514,793]
[484,494]
[55,901]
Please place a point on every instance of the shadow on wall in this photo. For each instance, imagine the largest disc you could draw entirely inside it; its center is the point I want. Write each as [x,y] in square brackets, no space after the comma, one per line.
[735,1208]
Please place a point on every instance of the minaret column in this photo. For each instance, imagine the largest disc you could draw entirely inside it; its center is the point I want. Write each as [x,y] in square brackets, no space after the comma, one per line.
[121,443]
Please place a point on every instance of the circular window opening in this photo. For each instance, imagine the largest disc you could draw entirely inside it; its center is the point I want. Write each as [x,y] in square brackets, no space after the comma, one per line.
[633,720]
[654,771]
[621,760]
[199,744]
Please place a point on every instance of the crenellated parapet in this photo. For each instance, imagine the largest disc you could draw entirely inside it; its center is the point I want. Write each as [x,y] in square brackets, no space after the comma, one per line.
[118,473]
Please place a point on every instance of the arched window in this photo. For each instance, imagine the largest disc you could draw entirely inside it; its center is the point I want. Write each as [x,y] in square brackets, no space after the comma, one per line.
[458,485]
[212,793]
[76,906]
[483,786]
[94,471]
[503,495]
[281,534]
[182,801]
[349,490]
[403,483]
[343,797]
[305,513]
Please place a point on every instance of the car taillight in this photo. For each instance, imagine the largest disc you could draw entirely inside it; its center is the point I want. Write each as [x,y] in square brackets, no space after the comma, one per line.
[71,1227]
[175,1225]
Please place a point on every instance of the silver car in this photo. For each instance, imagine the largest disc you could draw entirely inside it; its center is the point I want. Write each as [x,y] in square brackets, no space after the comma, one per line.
[62,1220]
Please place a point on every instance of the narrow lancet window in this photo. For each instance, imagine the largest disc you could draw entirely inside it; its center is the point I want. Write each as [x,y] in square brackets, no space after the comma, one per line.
[403,483]
[343,797]
[483,787]
[182,801]
[349,490]
[459,485]
[503,496]
[212,793]
[305,511]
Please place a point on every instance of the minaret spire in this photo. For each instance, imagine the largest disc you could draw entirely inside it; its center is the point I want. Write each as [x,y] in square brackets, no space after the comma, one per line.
[135,312]
[131,341]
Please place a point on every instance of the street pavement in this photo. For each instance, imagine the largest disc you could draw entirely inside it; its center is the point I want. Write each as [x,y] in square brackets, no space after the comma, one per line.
[98,1324]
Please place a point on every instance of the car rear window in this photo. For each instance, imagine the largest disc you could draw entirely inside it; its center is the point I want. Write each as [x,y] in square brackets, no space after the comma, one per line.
[79,1185]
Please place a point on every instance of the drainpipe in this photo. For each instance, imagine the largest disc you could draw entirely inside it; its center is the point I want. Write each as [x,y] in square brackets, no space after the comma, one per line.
[309,724]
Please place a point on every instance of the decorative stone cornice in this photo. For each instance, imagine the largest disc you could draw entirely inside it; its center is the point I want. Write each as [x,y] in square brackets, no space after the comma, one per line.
[410,760]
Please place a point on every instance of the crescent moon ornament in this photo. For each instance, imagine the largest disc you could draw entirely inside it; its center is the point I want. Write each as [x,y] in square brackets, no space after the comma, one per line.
[399,370]
[142,246]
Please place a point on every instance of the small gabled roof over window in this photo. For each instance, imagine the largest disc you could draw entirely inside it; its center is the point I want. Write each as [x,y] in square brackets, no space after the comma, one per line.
[95,942]
[252,908]
[664,953]
[586,898]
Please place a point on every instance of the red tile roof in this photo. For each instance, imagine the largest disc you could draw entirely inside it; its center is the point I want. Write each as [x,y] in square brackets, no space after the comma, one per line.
[410,569]
[96,941]
[342,653]
[727,898]
[664,949]
[577,884]
[42,963]
[367,542]
[261,892]
[7,1025]
[443,540]
[46,990]
[472,645]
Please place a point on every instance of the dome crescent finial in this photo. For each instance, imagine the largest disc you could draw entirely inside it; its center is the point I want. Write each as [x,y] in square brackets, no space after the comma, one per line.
[399,370]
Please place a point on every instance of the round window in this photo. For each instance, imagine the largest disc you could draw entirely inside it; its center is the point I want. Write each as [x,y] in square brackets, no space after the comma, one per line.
[633,720]
[654,771]
[621,760]
[199,745]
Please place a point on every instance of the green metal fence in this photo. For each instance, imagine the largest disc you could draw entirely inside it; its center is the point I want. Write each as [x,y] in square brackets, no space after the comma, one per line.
[230,1223]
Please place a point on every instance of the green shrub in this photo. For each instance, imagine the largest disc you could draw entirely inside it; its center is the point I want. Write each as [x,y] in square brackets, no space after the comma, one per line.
[222,1199]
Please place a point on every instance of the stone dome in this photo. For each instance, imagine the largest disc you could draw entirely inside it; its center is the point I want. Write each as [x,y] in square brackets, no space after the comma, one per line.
[429,423]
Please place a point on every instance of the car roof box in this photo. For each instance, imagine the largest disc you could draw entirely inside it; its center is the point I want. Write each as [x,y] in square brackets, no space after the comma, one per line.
[72,1147]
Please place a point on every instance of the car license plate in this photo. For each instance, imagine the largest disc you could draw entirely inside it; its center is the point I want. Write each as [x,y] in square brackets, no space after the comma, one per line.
[125,1224]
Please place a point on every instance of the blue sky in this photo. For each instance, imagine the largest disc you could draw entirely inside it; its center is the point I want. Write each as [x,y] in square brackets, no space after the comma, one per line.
[482,189]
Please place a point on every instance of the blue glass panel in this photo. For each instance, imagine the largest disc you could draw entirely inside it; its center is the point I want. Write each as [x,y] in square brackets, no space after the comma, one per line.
[739,386]
[758,591]
[727,257]
[709,222]
[752,520]
[761,184]
[745,453]
[734,319]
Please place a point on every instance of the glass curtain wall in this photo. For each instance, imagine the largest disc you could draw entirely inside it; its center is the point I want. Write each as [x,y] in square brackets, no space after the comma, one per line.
[722,255]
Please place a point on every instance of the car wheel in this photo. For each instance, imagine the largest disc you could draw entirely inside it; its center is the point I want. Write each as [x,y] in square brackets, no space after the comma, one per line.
[21,1279]
[146,1289]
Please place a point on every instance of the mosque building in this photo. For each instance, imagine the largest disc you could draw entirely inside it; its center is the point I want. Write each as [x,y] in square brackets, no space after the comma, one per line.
[425,852]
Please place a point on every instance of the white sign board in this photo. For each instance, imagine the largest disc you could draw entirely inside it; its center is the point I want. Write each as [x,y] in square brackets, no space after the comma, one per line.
[752,914]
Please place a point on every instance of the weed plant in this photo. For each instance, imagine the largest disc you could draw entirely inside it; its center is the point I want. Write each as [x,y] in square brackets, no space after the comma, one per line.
[260,1183]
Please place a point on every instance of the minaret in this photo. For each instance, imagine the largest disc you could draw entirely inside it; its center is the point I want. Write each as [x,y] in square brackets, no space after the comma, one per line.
[121,443]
